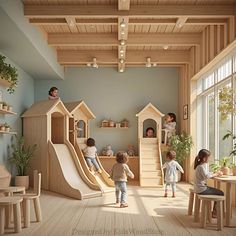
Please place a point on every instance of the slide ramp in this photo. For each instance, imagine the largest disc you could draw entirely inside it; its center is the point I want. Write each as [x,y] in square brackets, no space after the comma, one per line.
[66,174]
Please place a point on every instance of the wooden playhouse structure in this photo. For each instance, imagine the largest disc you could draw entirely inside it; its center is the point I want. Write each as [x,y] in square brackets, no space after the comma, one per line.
[150,163]
[79,132]
[46,123]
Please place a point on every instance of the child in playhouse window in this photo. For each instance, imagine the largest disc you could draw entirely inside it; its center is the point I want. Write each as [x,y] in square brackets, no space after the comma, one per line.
[150,132]
[90,153]
[170,125]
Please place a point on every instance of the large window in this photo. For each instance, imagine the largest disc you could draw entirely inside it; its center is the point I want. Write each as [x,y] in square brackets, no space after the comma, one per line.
[211,126]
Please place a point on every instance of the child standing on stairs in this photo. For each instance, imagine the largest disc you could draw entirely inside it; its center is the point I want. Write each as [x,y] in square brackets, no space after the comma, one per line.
[90,153]
[171,167]
[119,174]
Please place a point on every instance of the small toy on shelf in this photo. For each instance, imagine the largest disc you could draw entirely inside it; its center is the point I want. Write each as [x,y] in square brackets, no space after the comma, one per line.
[124,123]
[117,125]
[105,123]
[107,151]
[111,123]
[130,150]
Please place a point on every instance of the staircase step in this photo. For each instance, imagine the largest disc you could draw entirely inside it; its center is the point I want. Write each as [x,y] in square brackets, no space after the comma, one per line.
[150,167]
[150,160]
[152,174]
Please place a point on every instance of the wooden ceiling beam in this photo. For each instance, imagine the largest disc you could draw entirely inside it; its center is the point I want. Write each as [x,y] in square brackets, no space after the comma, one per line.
[62,21]
[71,22]
[140,11]
[123,5]
[73,57]
[181,21]
[171,39]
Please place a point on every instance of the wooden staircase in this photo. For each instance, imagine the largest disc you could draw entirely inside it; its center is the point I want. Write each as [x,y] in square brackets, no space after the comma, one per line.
[151,174]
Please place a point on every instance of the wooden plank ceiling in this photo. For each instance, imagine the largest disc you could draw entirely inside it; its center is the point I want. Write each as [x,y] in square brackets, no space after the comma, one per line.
[126,32]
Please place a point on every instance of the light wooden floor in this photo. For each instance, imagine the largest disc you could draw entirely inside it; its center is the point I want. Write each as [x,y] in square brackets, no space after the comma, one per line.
[148,214]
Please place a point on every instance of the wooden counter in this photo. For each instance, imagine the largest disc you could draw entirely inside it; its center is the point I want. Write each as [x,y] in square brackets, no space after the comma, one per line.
[133,164]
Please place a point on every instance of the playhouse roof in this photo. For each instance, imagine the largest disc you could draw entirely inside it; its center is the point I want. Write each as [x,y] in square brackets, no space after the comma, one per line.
[73,106]
[44,107]
[148,107]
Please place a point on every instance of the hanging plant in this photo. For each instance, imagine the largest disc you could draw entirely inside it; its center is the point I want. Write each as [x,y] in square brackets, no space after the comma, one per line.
[227,102]
[8,73]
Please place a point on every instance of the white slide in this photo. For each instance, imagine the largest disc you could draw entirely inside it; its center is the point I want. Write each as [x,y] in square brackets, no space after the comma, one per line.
[66,174]
[102,180]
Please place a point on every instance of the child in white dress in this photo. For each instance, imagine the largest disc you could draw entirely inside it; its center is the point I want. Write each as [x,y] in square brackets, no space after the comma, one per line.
[171,167]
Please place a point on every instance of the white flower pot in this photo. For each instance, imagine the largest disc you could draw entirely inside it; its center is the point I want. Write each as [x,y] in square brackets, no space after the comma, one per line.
[10,108]
[7,129]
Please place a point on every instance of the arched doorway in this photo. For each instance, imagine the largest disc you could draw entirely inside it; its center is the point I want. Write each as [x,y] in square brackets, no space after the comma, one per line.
[57,128]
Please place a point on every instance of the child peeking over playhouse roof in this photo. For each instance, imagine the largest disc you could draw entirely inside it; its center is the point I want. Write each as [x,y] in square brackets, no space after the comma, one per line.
[90,153]
[119,174]
[53,93]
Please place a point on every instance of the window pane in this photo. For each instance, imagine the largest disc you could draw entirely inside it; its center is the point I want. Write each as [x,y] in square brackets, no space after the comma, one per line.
[209,81]
[225,146]
[211,124]
[225,70]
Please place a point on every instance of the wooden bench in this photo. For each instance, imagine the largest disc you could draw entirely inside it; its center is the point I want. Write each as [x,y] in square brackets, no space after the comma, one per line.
[6,202]
[206,202]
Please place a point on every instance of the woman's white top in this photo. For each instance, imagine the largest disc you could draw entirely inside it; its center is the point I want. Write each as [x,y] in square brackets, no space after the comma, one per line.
[171,171]
[201,176]
[90,152]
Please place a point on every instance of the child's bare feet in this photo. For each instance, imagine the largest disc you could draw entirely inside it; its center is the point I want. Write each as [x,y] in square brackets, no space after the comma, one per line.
[173,195]
[122,205]
[117,201]
[165,195]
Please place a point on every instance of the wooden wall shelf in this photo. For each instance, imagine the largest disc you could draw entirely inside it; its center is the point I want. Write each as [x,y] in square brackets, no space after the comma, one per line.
[7,112]
[114,127]
[5,132]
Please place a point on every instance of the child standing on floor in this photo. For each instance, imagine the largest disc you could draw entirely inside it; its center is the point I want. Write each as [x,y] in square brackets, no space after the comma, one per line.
[119,174]
[202,175]
[171,167]
[53,93]
[90,153]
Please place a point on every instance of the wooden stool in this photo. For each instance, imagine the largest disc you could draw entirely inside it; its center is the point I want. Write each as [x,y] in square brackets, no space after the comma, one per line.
[191,201]
[197,204]
[6,202]
[206,200]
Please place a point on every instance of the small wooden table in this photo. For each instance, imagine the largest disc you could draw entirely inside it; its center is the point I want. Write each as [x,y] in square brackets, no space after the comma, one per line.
[9,191]
[229,180]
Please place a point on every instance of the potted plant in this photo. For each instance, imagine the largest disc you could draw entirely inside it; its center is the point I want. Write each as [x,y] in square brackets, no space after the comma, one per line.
[182,145]
[8,73]
[223,164]
[7,127]
[21,157]
[2,127]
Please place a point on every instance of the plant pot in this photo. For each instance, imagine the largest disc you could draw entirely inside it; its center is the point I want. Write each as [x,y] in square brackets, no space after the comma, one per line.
[7,129]
[225,170]
[2,128]
[234,170]
[22,181]
[10,108]
[5,107]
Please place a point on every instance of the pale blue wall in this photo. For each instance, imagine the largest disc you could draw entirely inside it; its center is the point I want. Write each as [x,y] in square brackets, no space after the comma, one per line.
[20,100]
[110,94]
